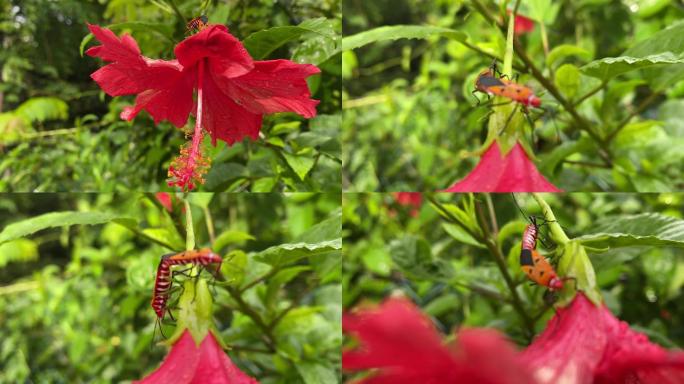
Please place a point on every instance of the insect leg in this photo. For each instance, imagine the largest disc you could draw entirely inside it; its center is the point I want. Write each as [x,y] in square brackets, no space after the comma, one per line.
[508,119]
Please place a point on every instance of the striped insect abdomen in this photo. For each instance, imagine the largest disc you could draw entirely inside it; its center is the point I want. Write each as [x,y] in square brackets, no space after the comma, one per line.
[162,285]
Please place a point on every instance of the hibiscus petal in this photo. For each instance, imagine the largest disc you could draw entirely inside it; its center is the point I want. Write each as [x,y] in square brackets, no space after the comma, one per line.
[402,344]
[170,99]
[178,366]
[273,86]
[226,54]
[631,357]
[223,118]
[164,89]
[513,173]
[571,346]
[215,367]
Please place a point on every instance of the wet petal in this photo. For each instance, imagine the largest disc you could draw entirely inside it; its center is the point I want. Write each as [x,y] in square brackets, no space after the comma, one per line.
[223,118]
[225,54]
[273,86]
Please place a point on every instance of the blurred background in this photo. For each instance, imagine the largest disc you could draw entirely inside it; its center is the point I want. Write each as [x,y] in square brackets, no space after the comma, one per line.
[409,115]
[60,132]
[75,300]
[399,244]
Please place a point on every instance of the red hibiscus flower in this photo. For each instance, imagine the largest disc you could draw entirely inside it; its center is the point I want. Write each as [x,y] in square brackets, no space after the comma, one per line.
[196,356]
[582,344]
[409,199]
[189,363]
[585,343]
[402,344]
[514,172]
[233,91]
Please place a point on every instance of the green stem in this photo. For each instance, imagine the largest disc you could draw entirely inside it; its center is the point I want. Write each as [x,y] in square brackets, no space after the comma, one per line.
[557,232]
[508,56]
[494,249]
[189,230]
[210,224]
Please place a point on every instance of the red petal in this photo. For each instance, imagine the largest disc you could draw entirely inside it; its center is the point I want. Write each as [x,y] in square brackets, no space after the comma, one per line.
[165,91]
[164,198]
[402,344]
[630,358]
[223,118]
[169,99]
[226,54]
[571,346]
[514,173]
[178,366]
[215,367]
[273,86]
[523,24]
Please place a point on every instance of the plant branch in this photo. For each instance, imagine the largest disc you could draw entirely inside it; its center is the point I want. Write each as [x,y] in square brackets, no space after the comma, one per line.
[493,246]
[590,93]
[256,318]
[642,106]
[547,84]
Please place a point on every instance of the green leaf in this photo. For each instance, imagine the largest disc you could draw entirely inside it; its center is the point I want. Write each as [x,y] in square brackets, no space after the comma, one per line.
[166,236]
[222,173]
[395,32]
[316,373]
[287,253]
[328,229]
[230,236]
[300,164]
[646,229]
[414,257]
[543,11]
[261,44]
[568,80]
[200,199]
[574,263]
[233,267]
[57,219]
[460,235]
[609,67]
[43,109]
[550,161]
[565,50]
[19,250]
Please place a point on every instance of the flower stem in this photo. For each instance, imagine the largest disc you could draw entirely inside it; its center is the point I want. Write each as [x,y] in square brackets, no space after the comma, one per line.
[557,232]
[189,230]
[491,243]
[510,35]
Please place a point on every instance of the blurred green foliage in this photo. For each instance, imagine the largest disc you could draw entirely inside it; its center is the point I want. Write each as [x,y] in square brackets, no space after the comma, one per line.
[60,132]
[75,300]
[455,278]
[411,122]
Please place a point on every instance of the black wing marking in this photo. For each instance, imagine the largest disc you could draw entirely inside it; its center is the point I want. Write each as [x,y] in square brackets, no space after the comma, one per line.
[489,81]
[526,257]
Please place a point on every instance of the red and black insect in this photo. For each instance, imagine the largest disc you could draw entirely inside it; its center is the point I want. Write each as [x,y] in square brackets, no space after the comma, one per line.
[533,264]
[162,286]
[491,82]
[198,23]
[163,281]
